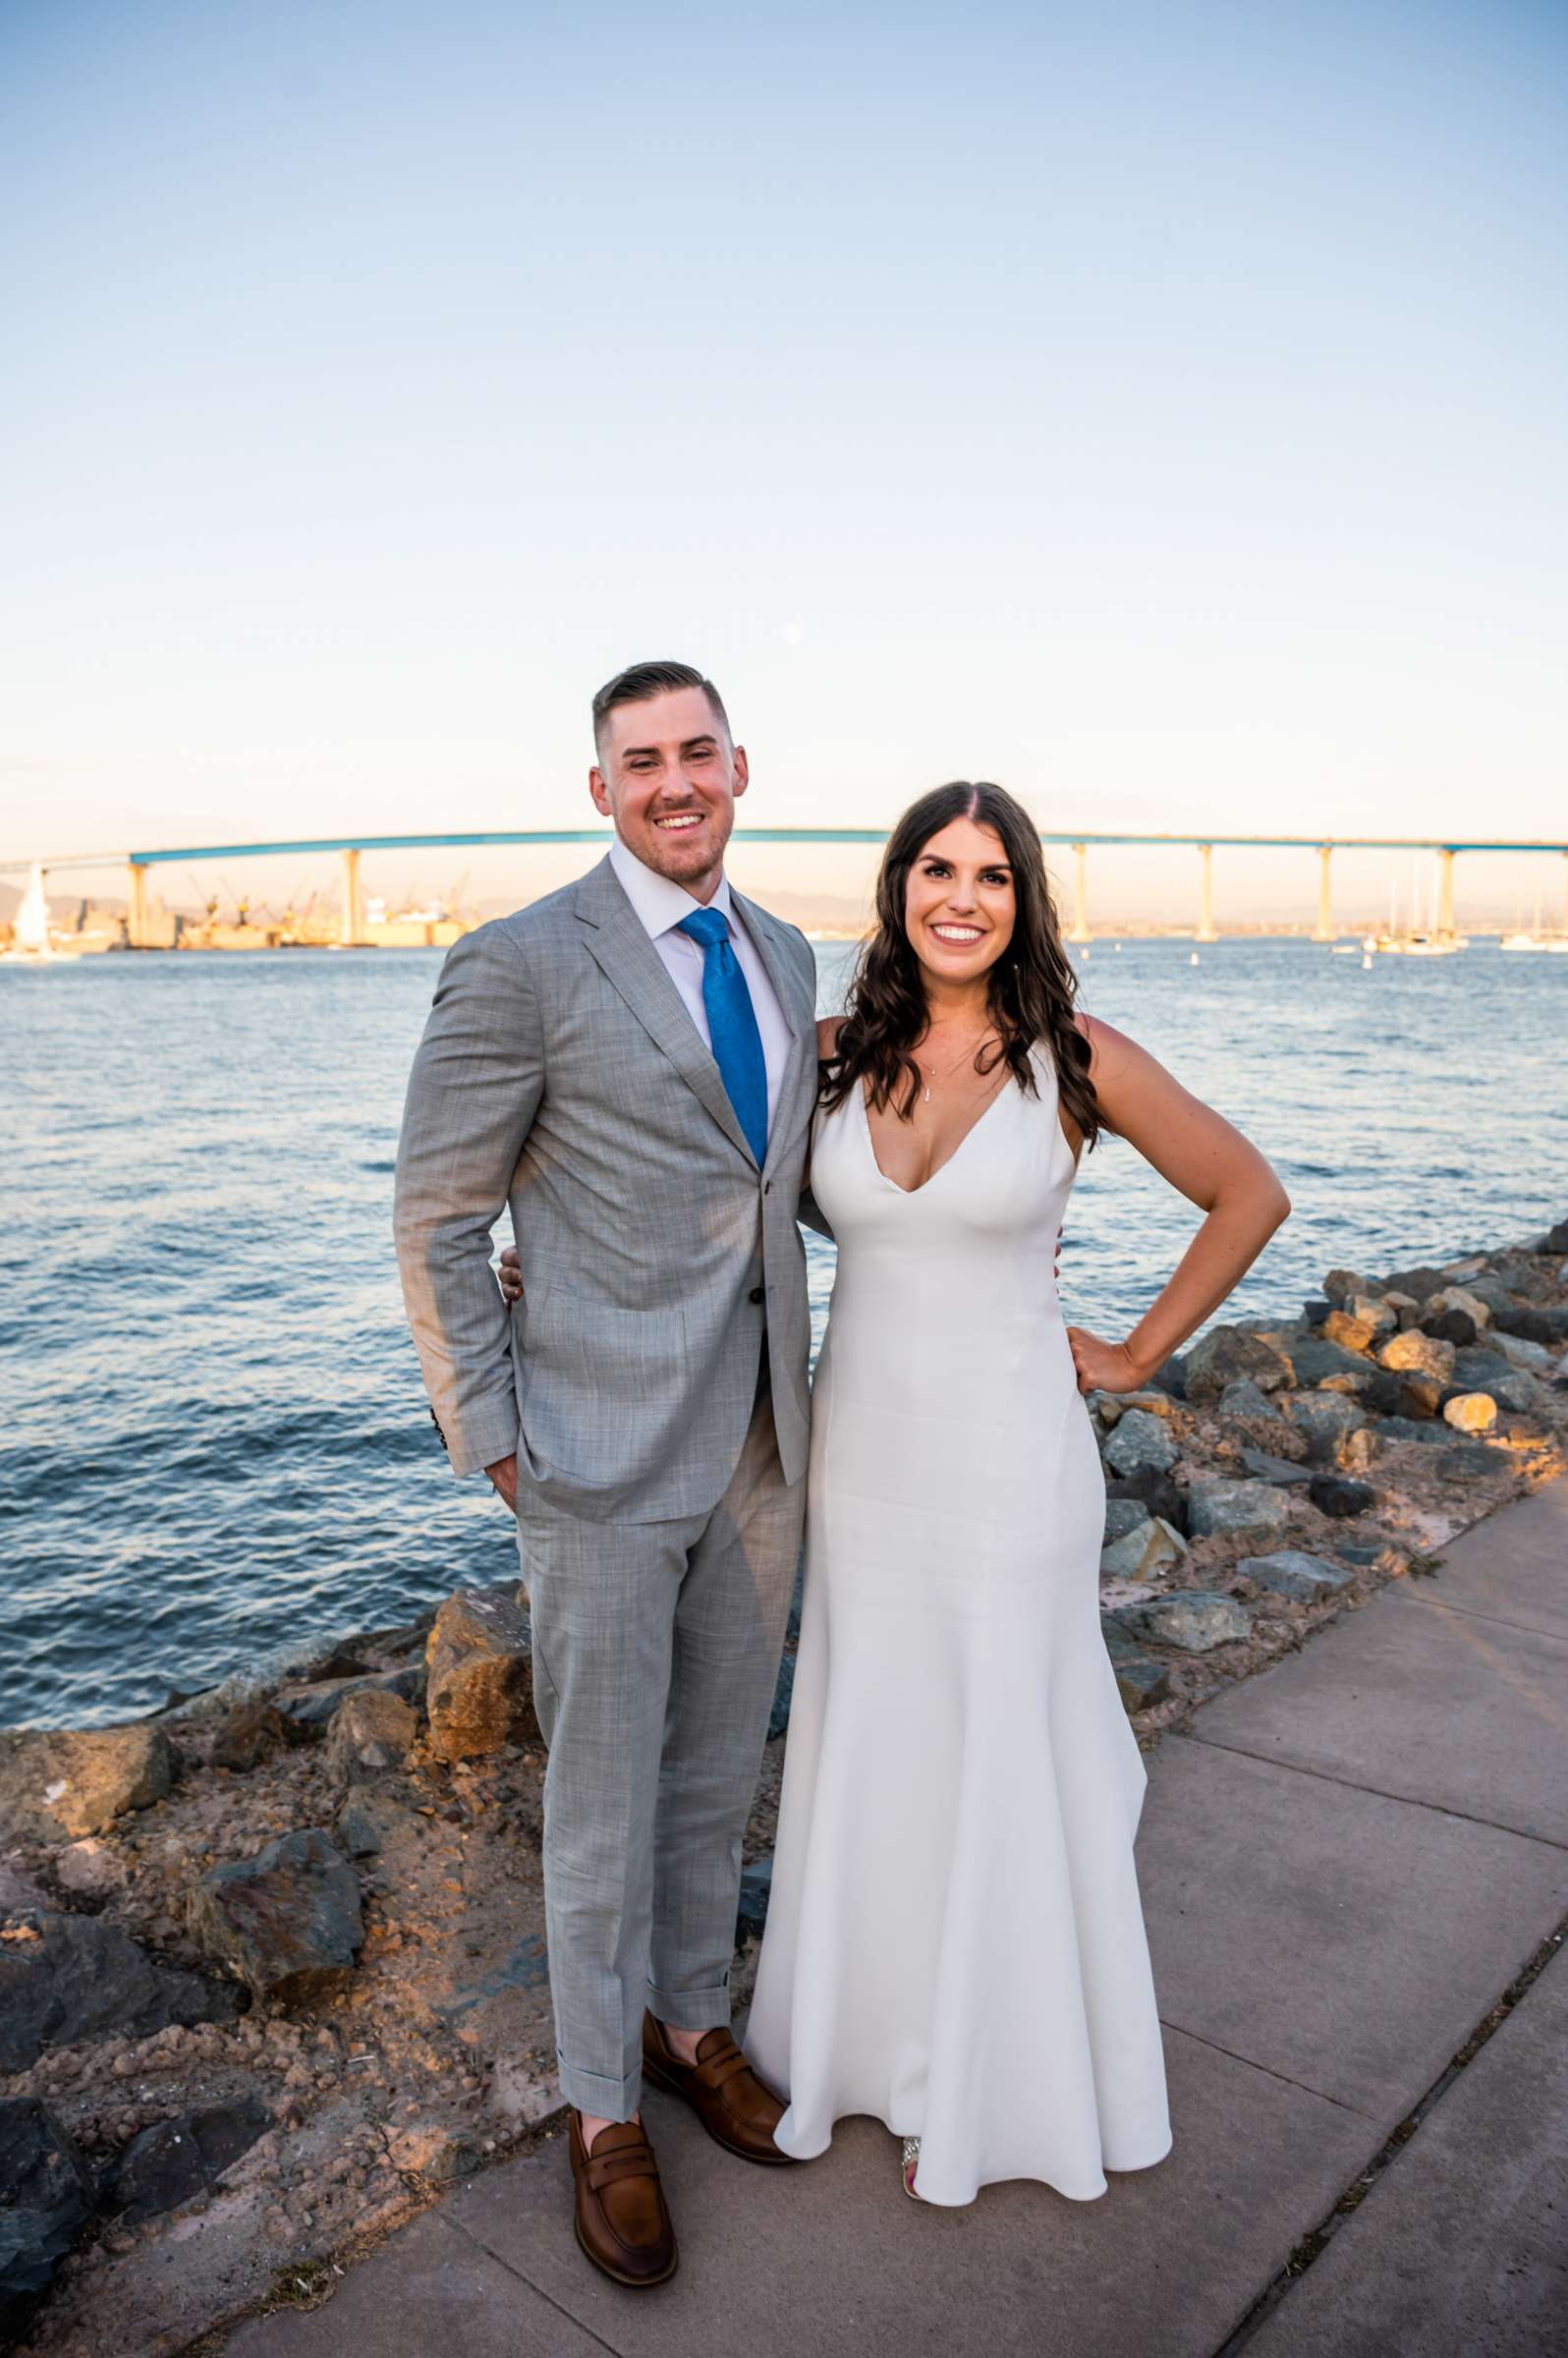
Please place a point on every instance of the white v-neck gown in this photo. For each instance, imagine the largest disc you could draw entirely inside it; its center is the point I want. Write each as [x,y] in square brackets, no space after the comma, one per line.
[955,1942]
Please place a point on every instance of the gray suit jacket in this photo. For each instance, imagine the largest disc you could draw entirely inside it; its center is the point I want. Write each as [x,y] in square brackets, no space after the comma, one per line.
[560,1072]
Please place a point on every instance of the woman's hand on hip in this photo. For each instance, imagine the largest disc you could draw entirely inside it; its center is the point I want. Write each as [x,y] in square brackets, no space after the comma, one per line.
[510,1275]
[1104,1367]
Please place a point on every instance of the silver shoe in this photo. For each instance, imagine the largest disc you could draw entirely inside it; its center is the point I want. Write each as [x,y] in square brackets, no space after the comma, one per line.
[909,2166]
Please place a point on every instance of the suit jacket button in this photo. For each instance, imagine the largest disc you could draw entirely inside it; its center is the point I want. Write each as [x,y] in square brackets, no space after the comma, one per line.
[757,1294]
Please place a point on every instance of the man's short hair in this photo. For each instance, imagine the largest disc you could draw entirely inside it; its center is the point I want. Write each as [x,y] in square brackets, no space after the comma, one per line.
[641,682]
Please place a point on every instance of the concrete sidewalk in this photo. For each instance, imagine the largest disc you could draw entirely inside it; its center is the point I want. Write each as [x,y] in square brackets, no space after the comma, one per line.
[1346,1865]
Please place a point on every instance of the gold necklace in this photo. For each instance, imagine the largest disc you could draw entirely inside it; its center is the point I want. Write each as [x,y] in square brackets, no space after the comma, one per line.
[972,1050]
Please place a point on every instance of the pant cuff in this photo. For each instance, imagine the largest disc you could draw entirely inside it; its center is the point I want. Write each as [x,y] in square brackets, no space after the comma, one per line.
[692,2009]
[597,2093]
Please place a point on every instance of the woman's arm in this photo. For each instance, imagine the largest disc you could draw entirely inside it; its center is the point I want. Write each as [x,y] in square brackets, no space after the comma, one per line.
[808,1210]
[1214,1167]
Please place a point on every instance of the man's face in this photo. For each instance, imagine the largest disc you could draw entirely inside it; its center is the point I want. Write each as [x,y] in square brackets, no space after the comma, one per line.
[668,776]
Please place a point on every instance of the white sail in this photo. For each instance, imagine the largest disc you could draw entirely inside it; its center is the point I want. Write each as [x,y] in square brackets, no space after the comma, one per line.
[32,917]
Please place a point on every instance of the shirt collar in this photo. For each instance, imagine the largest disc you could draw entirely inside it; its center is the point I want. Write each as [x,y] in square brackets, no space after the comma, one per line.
[659,904]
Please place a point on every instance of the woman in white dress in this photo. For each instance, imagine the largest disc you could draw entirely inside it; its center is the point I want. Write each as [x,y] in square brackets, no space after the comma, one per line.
[955,1944]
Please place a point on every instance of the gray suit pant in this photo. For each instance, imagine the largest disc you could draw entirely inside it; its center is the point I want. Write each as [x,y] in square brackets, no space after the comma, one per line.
[655,1653]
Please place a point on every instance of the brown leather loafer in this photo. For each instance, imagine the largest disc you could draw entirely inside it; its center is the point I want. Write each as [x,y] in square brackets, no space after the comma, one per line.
[722,2090]
[622,2221]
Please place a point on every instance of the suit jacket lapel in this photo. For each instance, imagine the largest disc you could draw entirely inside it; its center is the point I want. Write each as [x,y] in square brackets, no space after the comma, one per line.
[620,947]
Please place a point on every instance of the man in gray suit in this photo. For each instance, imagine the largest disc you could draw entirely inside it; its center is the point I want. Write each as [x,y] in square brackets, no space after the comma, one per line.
[630,1064]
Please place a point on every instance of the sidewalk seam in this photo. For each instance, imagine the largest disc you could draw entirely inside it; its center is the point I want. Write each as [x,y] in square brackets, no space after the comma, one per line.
[458,2228]
[1472,1613]
[1349,1784]
[1311,2246]
[1250,2063]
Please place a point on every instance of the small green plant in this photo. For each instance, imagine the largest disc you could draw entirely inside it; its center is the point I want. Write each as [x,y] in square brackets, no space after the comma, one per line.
[1422,1567]
[303,2285]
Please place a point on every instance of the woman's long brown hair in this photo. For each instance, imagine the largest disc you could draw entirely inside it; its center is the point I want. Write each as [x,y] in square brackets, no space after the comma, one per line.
[1031,986]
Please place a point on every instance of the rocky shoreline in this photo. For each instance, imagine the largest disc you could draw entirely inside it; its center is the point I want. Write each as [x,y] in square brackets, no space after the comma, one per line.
[272,1962]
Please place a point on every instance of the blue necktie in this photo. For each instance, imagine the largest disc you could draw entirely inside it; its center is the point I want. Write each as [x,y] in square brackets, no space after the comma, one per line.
[732,1025]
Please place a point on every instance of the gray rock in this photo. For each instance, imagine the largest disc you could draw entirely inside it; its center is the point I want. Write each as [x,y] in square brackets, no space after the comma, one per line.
[1326,1364]
[1144,1553]
[1140,1681]
[58,1783]
[176,2159]
[1521,1395]
[1236,1509]
[1156,1490]
[1479,1369]
[1417,1282]
[756,1889]
[1282,1472]
[1461,1461]
[1194,1621]
[312,1705]
[1140,1443]
[1455,1326]
[83,1978]
[1533,1324]
[1343,1285]
[1533,1358]
[1492,1292]
[1225,1355]
[481,1661]
[1409,1429]
[1340,1496]
[46,2195]
[783,1697]
[1288,1572]
[1325,1420]
[372,1821]
[370,1728]
[286,1923]
[1122,1515]
[1360,1552]
[1244,1399]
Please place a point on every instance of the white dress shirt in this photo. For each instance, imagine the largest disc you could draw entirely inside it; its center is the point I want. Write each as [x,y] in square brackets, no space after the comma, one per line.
[660,905]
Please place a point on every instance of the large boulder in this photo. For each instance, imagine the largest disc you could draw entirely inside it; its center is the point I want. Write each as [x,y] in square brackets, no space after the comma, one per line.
[1194,1620]
[67,1978]
[1521,1353]
[176,2159]
[1464,1298]
[1236,1510]
[480,1664]
[1344,1285]
[1289,1572]
[1419,1283]
[1227,1353]
[286,1923]
[1419,1353]
[1244,1398]
[1122,1515]
[46,2194]
[1140,1441]
[61,1782]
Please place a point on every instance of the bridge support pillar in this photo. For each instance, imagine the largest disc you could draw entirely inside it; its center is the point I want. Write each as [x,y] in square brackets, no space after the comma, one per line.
[353,902]
[136,925]
[1079,931]
[1206,902]
[1445,891]
[1324,929]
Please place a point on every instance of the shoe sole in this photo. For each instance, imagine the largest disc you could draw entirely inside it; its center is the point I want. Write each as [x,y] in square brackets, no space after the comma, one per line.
[666,2080]
[632,2284]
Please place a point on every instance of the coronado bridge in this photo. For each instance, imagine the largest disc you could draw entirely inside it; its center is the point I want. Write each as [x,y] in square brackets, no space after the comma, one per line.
[138,864]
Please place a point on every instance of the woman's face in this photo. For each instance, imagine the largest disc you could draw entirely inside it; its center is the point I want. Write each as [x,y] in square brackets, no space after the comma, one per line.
[959,903]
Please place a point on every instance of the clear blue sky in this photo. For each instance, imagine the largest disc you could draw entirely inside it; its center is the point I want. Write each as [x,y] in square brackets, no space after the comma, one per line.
[1158,408]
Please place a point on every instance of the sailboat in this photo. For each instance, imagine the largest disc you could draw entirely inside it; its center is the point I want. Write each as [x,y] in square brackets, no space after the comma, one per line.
[1413,941]
[31,940]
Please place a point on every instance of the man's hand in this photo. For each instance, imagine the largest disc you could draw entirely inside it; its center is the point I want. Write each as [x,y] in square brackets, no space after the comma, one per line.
[504,1476]
[509,1273]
